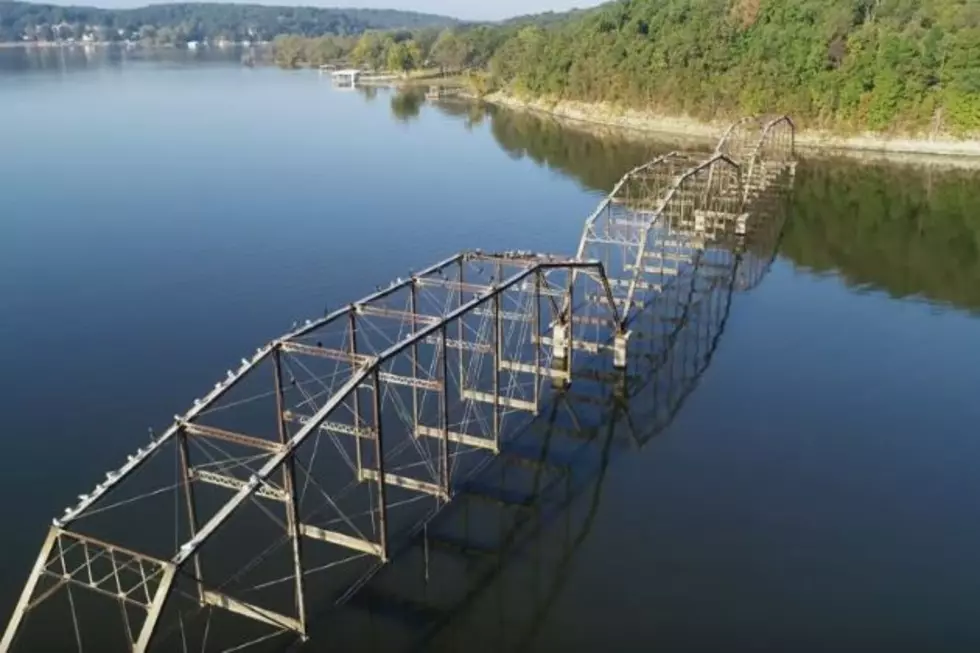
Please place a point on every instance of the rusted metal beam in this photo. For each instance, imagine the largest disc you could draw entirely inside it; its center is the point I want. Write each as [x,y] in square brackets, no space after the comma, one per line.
[411,382]
[341,539]
[266,616]
[211,432]
[330,354]
[526,368]
[405,482]
[461,345]
[331,427]
[232,483]
[465,439]
[291,501]
[509,402]
[456,286]
[356,399]
[395,314]
[379,459]
[497,356]
[191,505]
[444,409]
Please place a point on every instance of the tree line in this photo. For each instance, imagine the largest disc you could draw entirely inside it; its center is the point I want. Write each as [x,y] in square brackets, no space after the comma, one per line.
[842,64]
[450,49]
[177,23]
[845,65]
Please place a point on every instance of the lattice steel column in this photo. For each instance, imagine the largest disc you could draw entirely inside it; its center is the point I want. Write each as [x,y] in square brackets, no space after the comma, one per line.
[292,507]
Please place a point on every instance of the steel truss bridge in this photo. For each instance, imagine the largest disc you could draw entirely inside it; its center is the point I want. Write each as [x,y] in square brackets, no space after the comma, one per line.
[333,449]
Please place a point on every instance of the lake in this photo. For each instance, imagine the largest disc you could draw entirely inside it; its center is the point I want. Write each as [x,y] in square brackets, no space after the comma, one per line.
[815,489]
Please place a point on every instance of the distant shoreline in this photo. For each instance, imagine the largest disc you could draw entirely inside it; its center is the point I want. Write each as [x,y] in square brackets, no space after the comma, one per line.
[47,45]
[813,140]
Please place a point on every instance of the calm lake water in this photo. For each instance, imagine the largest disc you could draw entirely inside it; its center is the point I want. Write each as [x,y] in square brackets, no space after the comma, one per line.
[817,490]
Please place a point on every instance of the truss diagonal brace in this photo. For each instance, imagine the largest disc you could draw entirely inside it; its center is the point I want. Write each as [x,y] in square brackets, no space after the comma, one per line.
[359,377]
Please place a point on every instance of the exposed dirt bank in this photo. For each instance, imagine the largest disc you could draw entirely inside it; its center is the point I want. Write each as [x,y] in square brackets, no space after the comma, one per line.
[821,141]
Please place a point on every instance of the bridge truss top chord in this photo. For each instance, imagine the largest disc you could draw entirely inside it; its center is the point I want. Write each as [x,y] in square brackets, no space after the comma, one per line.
[328,445]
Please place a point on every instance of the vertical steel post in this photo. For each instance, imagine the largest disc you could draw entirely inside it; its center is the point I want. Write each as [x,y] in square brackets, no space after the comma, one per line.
[571,322]
[446,487]
[289,486]
[537,340]
[357,391]
[415,361]
[192,523]
[25,596]
[380,460]
[496,370]
[156,609]
[461,351]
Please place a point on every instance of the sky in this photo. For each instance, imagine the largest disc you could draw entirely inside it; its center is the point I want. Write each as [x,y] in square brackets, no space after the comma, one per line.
[466,9]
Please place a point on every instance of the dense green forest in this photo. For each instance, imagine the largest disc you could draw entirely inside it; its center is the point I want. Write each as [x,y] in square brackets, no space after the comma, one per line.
[454,48]
[848,65]
[176,23]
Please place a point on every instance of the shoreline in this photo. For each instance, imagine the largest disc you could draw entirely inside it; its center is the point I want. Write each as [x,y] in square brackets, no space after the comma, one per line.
[817,141]
[50,45]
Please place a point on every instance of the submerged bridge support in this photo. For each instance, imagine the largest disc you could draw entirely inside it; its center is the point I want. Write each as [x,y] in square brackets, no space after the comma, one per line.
[378,413]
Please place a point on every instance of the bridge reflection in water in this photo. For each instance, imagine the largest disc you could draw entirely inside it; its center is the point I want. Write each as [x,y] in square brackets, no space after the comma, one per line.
[530,512]
[445,419]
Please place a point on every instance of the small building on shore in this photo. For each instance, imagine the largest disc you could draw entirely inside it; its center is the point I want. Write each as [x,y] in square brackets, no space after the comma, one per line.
[347,77]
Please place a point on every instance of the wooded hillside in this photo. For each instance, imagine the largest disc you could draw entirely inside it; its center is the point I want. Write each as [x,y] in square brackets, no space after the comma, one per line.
[845,64]
[183,22]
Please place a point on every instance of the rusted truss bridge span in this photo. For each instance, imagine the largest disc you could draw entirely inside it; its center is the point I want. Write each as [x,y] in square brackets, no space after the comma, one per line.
[316,459]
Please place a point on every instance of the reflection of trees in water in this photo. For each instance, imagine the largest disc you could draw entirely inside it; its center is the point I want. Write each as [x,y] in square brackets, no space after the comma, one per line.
[406,104]
[79,57]
[596,162]
[906,230]
[369,93]
[596,156]
[472,113]
[902,229]
[34,59]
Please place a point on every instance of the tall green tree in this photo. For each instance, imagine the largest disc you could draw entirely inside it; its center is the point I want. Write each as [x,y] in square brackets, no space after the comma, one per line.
[450,52]
[370,50]
[403,56]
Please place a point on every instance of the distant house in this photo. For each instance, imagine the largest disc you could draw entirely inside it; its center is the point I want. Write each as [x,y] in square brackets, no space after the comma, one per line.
[348,77]
[192,45]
